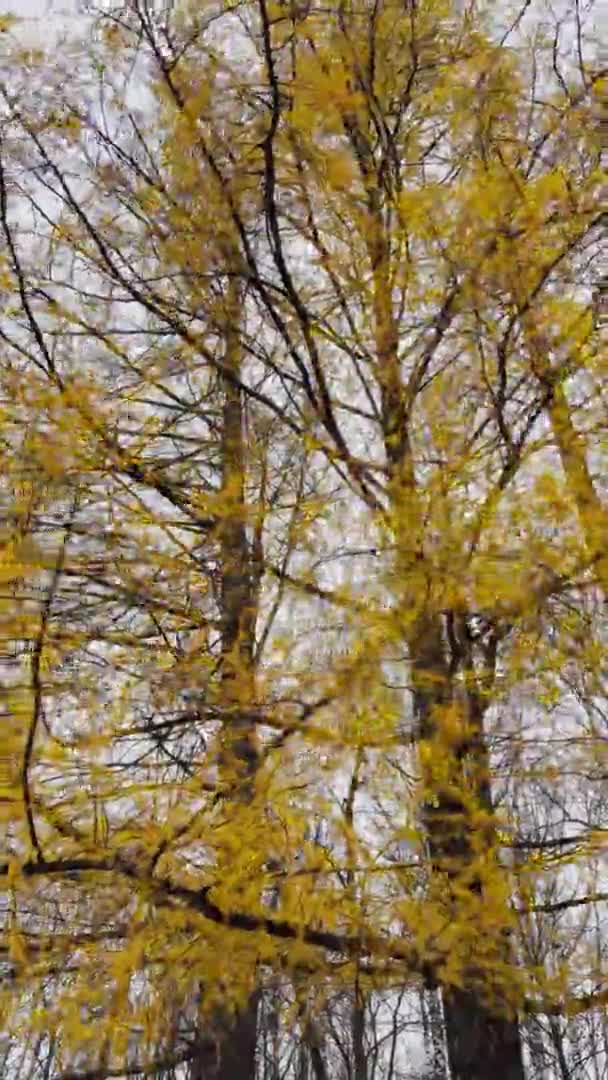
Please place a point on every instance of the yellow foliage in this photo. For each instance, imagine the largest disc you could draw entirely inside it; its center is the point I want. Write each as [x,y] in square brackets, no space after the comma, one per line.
[303,548]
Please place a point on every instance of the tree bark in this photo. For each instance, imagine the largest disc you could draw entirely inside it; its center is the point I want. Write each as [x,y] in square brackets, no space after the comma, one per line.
[358,1032]
[226,1048]
[481,1045]
[237,1045]
[236,1036]
[482,1031]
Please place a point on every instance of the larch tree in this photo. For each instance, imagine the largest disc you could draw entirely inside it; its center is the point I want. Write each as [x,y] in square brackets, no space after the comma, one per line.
[305,518]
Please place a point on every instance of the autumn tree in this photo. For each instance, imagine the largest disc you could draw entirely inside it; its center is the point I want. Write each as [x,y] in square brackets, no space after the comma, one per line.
[310,582]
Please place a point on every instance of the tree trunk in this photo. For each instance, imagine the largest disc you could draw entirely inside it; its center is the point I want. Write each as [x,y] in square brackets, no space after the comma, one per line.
[481,1045]
[358,1032]
[482,1030]
[442,667]
[236,1058]
[226,1048]
[239,760]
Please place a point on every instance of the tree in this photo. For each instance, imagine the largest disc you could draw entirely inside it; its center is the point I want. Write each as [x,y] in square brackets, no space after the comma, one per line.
[298,324]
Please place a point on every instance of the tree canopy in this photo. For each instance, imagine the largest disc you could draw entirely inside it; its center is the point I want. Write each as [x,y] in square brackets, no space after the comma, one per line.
[304,524]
